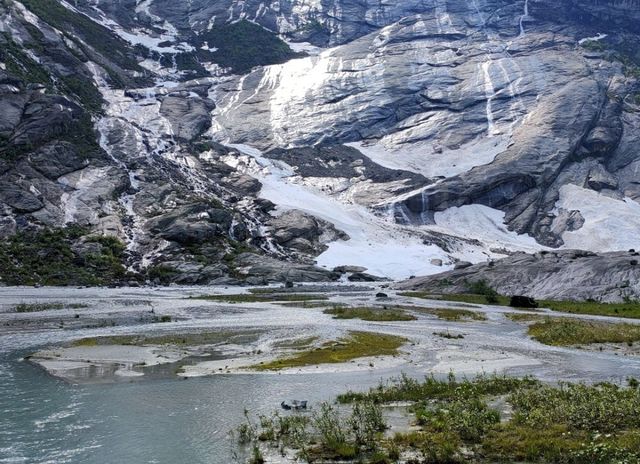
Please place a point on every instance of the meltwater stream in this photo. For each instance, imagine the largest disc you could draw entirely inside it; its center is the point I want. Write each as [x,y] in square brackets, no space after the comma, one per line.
[44,420]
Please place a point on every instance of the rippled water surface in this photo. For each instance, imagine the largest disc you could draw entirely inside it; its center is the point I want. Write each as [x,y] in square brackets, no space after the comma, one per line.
[172,421]
[164,421]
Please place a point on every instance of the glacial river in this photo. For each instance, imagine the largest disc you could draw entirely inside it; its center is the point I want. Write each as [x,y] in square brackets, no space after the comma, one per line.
[169,420]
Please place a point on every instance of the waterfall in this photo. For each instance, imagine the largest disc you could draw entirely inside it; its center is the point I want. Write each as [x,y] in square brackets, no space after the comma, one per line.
[523,17]
[490,93]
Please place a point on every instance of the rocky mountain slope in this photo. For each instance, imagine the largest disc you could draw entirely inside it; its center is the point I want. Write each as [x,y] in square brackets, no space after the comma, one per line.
[228,141]
[552,275]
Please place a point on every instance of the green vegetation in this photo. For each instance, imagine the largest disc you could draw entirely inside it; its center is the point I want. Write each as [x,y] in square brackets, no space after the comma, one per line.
[370,314]
[594,45]
[405,389]
[19,64]
[95,35]
[455,315]
[458,297]
[38,307]
[448,335]
[481,287]
[523,317]
[298,343]
[260,298]
[327,436]
[163,273]
[243,45]
[629,309]
[311,304]
[458,421]
[355,345]
[47,257]
[189,339]
[567,332]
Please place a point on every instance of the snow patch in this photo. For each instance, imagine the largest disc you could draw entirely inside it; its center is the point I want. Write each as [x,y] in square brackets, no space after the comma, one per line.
[383,247]
[485,224]
[610,224]
[431,161]
[596,38]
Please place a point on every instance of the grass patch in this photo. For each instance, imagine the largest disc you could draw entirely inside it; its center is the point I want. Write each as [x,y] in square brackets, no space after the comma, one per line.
[405,389]
[260,298]
[370,314]
[567,332]
[448,335]
[191,339]
[455,315]
[630,309]
[459,298]
[355,345]
[523,317]
[38,307]
[311,304]
[296,344]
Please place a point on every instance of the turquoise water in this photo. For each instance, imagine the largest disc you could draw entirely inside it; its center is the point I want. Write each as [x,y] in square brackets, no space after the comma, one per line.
[44,420]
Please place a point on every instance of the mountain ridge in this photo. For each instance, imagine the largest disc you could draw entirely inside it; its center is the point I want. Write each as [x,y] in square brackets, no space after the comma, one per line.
[427,133]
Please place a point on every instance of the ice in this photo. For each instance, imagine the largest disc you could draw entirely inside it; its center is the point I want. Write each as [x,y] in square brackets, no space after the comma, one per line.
[426,160]
[596,38]
[303,47]
[485,224]
[383,247]
[610,224]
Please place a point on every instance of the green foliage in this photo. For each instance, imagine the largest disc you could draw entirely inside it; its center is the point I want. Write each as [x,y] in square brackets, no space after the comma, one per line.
[327,435]
[594,45]
[95,35]
[185,339]
[599,408]
[356,345]
[457,315]
[566,332]
[370,314]
[628,309]
[47,257]
[481,287]
[366,422]
[243,45]
[161,272]
[85,91]
[20,65]
[470,418]
[564,424]
[406,388]
[459,297]
[514,443]
[38,307]
[449,335]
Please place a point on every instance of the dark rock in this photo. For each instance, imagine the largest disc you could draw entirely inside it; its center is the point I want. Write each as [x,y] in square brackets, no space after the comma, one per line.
[363,277]
[518,301]
[462,265]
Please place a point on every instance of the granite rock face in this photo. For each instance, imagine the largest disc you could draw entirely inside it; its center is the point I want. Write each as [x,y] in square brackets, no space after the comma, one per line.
[559,275]
[446,130]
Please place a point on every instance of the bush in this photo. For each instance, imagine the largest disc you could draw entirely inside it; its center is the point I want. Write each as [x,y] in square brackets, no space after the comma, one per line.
[481,287]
